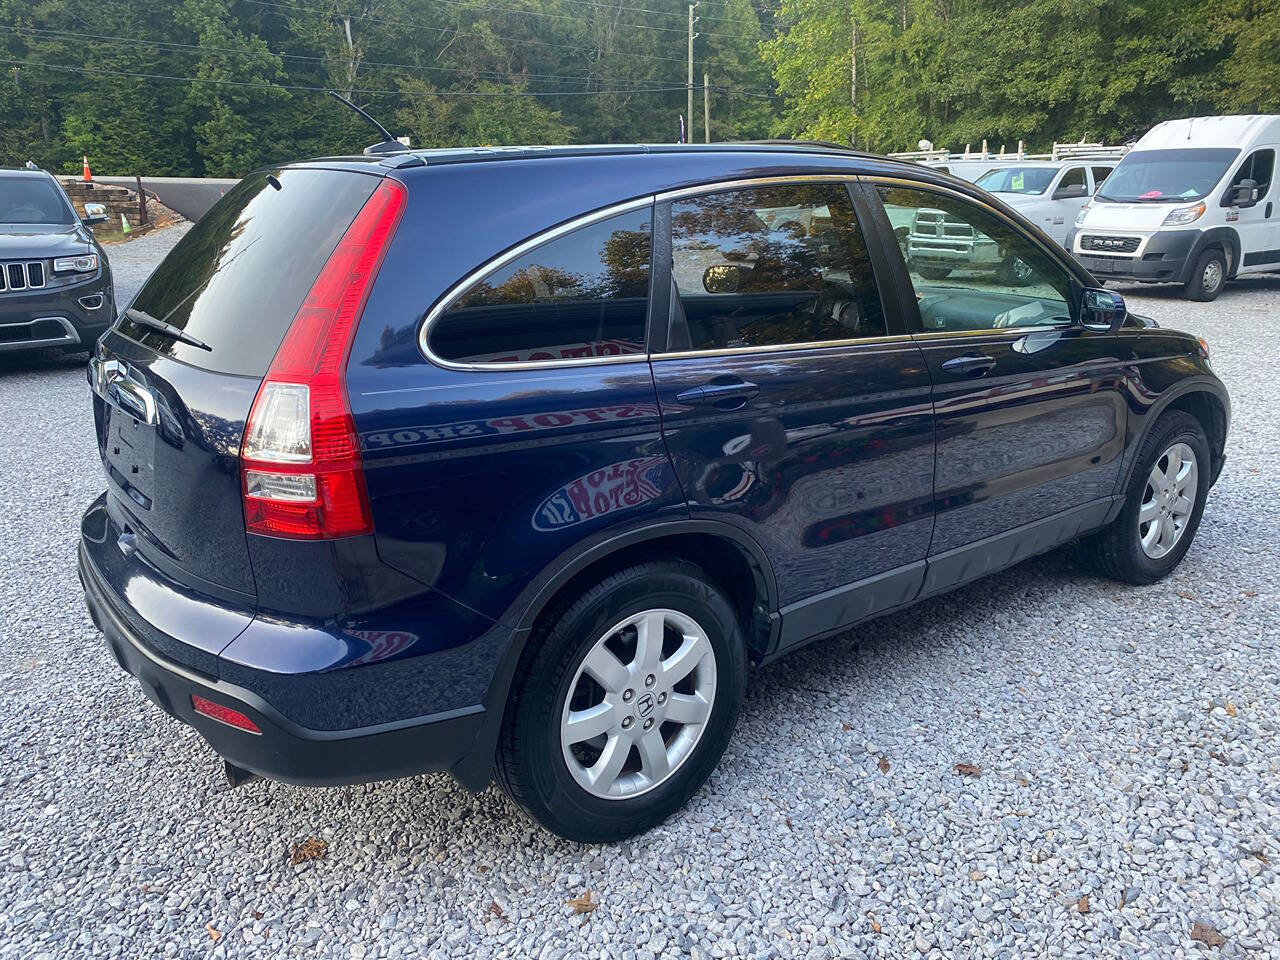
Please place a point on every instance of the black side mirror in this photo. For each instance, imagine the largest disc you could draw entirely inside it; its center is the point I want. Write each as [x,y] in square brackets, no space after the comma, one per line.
[1070,191]
[1102,311]
[722,278]
[1243,194]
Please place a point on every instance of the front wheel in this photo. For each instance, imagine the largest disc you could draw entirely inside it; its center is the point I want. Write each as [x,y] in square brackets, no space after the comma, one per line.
[1208,277]
[623,706]
[1163,504]
[934,273]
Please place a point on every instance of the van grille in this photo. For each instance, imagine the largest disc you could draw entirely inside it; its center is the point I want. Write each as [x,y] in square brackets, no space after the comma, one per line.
[21,276]
[1110,244]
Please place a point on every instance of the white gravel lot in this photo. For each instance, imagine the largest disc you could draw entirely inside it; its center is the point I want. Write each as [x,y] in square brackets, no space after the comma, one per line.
[1127,740]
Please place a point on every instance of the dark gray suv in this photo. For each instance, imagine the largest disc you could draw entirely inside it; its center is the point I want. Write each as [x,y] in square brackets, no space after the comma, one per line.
[55,283]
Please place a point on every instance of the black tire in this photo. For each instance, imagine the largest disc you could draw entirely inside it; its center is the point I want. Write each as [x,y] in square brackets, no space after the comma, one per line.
[1197,288]
[1116,550]
[934,273]
[1015,272]
[530,764]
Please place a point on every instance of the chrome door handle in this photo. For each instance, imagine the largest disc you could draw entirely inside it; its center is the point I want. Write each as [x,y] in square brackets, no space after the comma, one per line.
[716,393]
[969,365]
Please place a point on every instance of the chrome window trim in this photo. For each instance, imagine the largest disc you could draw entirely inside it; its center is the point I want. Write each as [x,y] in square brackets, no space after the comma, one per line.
[496,263]
[995,333]
[902,338]
[586,220]
[726,185]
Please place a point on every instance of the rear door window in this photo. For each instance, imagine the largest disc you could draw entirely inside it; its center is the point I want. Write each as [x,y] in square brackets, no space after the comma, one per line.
[1100,175]
[238,277]
[771,266]
[580,296]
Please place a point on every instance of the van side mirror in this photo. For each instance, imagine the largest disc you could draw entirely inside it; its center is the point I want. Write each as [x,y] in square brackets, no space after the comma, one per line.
[1243,194]
[1070,191]
[1102,311]
[94,213]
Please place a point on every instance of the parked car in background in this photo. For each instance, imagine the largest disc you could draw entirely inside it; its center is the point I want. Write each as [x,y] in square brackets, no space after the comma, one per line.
[1048,193]
[512,461]
[55,282]
[1190,204]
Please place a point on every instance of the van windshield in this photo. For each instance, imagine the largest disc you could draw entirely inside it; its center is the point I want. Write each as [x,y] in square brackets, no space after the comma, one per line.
[1167,176]
[1028,180]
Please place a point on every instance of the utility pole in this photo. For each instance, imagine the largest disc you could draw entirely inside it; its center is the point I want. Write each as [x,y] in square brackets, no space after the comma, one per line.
[706,107]
[853,84]
[689,84]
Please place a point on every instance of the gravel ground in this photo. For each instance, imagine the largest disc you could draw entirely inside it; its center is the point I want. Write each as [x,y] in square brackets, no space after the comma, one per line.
[1127,740]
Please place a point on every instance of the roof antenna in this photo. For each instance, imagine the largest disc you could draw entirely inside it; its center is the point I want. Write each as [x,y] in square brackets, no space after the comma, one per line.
[389,143]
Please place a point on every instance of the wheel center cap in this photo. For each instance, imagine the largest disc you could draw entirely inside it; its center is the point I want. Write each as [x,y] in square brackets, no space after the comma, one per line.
[645,705]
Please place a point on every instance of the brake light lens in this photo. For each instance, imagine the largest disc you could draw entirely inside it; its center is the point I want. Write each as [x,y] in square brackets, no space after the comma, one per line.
[300,461]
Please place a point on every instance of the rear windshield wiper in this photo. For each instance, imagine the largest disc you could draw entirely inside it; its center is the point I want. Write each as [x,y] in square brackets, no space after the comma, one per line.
[168,329]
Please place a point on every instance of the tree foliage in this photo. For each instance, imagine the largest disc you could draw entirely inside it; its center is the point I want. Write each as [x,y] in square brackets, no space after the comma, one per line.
[217,87]
[959,71]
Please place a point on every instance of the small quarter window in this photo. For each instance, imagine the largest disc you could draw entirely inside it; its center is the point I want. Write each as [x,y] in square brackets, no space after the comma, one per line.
[583,295]
[771,266]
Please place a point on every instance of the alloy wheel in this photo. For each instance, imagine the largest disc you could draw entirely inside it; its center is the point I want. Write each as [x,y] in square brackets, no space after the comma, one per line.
[638,704]
[1168,500]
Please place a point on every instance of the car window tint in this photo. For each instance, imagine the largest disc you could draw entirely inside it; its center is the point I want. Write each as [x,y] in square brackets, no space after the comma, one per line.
[1100,175]
[31,200]
[771,266]
[970,269]
[581,295]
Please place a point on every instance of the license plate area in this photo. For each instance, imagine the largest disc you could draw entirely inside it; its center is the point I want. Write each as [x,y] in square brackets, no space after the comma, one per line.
[129,454]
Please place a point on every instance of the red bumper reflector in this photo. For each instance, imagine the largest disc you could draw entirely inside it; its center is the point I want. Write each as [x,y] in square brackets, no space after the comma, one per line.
[216,711]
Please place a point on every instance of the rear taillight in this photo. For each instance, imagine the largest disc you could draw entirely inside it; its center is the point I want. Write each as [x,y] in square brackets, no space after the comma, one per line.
[301,469]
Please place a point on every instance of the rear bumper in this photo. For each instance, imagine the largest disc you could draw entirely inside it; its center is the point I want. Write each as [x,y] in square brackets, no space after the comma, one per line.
[69,318]
[283,750]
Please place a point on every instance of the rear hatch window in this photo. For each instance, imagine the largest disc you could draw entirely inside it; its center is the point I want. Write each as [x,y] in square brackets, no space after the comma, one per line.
[235,281]
[171,414]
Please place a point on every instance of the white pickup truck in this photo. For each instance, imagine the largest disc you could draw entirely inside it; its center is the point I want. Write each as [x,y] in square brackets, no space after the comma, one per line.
[1048,193]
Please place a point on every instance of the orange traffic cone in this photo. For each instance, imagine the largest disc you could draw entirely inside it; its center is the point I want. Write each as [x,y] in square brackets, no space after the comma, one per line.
[88,177]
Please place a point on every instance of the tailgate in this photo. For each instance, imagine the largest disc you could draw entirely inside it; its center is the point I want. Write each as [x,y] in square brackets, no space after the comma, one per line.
[175,379]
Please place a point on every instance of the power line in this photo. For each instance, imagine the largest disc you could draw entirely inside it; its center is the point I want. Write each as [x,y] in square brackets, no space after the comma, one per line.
[390,93]
[542,13]
[461,33]
[311,11]
[231,51]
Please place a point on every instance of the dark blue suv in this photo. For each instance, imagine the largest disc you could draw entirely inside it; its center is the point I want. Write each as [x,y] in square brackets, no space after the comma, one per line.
[514,460]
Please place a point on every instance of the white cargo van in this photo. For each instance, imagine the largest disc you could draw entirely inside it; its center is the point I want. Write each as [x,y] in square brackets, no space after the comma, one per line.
[1191,203]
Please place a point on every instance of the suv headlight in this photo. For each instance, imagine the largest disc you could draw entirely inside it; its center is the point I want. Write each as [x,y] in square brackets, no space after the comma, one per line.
[85,263]
[1184,215]
[1080,215]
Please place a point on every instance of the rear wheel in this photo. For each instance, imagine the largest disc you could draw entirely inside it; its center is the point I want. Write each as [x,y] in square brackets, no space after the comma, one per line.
[1163,504]
[1208,276]
[623,706]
